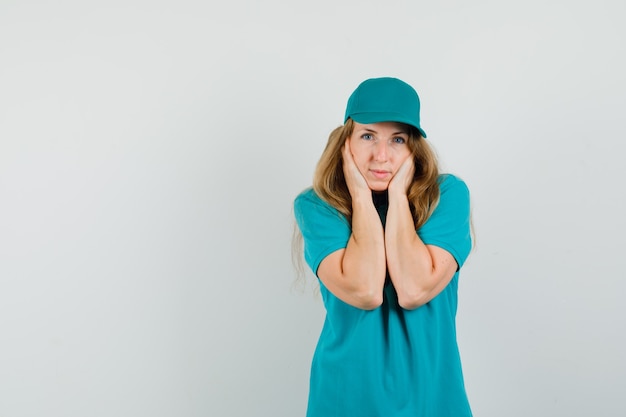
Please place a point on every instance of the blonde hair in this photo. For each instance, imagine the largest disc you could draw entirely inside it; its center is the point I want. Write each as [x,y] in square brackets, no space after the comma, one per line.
[330,185]
[423,194]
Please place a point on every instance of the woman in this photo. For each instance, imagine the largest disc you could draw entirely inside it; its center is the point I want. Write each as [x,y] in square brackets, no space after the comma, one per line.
[386,235]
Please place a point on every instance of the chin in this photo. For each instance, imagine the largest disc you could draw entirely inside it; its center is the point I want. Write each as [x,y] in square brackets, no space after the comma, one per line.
[379,187]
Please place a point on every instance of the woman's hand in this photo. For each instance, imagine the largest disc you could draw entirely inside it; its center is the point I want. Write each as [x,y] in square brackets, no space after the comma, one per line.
[354,179]
[400,183]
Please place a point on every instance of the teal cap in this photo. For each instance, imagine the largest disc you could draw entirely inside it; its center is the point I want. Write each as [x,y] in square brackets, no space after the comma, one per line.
[385,100]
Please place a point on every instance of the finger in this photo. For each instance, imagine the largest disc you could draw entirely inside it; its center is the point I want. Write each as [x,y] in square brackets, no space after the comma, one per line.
[347,155]
[404,175]
[408,164]
[347,152]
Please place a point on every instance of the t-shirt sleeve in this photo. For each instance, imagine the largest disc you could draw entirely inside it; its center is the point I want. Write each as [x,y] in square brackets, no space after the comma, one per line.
[323,228]
[449,225]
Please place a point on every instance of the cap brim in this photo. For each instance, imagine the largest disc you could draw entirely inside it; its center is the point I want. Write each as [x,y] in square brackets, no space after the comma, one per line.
[368,118]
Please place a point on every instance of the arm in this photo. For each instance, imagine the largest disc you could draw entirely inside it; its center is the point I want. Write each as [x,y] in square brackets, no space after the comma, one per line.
[356,274]
[419,272]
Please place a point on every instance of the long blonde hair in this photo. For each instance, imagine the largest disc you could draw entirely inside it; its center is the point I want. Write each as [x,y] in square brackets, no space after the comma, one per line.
[423,194]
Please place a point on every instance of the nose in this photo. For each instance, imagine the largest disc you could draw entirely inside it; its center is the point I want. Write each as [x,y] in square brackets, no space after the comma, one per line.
[381,152]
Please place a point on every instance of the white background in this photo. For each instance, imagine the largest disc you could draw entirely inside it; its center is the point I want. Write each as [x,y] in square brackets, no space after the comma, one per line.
[150,152]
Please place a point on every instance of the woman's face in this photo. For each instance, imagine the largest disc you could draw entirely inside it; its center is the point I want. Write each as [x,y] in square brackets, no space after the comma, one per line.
[378,150]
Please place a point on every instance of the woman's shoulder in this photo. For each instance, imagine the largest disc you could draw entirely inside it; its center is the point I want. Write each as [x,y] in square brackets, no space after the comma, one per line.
[452,189]
[308,194]
[309,207]
[308,197]
[449,181]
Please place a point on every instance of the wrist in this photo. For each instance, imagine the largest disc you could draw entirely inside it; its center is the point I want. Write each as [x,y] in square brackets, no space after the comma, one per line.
[397,192]
[398,196]
[362,197]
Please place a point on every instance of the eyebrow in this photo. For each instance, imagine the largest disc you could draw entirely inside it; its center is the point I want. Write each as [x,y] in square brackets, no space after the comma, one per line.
[400,132]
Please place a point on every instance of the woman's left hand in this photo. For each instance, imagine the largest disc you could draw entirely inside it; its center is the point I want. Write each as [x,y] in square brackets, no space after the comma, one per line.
[400,182]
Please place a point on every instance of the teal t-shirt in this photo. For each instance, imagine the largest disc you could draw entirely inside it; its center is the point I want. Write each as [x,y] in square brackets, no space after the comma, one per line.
[388,362]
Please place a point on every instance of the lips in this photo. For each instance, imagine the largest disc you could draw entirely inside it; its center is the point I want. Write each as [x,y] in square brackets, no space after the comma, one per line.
[380,174]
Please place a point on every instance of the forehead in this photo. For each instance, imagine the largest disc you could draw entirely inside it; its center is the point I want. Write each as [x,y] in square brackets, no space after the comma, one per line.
[383,127]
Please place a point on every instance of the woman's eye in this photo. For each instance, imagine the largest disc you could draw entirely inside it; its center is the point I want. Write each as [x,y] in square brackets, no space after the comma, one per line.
[399,140]
[367,136]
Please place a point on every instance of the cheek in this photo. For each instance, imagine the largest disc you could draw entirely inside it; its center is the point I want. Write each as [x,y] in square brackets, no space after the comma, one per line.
[361,164]
[359,152]
[400,159]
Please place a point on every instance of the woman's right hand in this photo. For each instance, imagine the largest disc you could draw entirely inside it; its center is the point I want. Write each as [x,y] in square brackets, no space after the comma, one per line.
[357,185]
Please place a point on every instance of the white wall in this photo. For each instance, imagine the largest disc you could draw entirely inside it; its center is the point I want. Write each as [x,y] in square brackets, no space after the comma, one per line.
[150,152]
